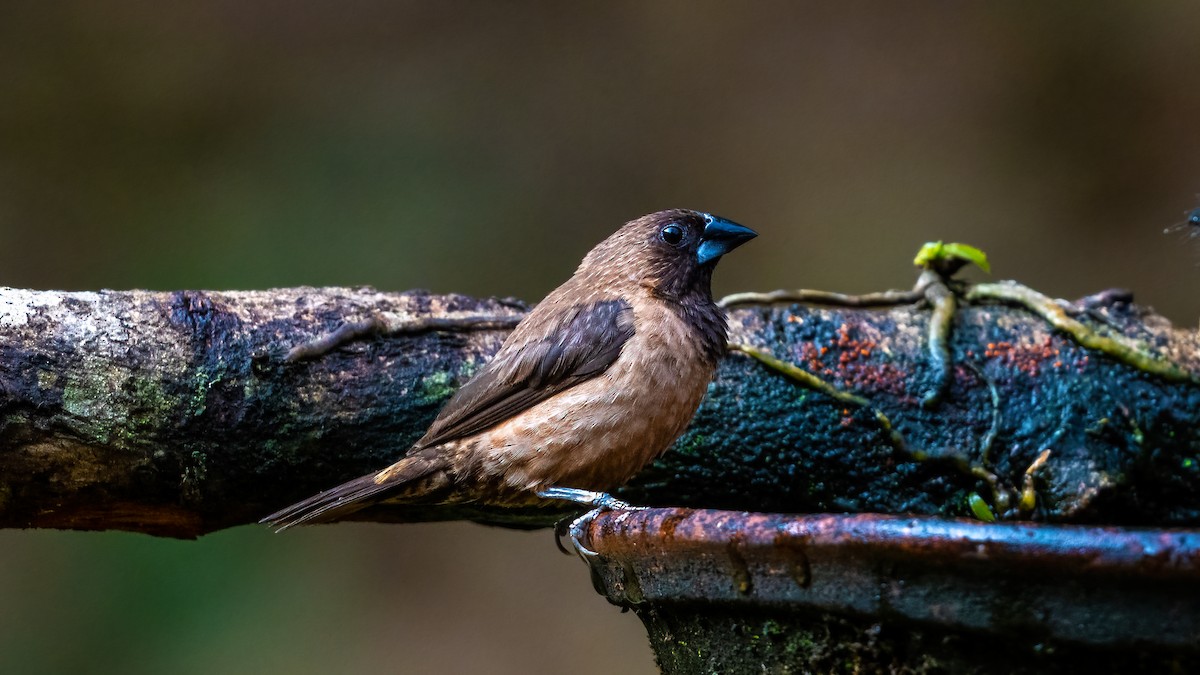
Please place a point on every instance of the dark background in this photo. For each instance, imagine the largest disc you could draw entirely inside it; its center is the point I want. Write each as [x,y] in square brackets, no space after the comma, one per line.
[483,148]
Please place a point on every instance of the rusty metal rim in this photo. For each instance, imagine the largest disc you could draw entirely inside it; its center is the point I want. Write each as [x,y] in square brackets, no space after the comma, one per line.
[1171,553]
[1097,585]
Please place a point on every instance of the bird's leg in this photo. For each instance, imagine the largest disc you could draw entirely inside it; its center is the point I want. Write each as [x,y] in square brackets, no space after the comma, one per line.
[599,501]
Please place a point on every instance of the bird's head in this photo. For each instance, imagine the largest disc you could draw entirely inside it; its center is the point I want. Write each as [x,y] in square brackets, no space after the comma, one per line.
[671,252]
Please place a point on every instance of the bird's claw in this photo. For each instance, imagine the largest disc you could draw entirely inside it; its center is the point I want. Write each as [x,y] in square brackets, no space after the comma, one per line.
[561,529]
[575,531]
[599,501]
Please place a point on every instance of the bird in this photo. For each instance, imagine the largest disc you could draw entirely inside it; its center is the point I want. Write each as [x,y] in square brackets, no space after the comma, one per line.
[599,379]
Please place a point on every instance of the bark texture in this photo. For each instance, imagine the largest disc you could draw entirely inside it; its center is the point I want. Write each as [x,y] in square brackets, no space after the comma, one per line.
[177,414]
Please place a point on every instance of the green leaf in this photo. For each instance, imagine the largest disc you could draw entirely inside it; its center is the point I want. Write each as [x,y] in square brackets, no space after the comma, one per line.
[936,251]
[980,508]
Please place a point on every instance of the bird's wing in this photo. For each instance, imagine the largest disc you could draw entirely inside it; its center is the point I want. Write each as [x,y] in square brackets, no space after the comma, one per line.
[541,360]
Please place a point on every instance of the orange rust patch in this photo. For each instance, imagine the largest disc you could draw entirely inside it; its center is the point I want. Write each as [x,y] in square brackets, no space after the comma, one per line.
[854,368]
[1029,359]
[670,523]
[810,359]
[877,377]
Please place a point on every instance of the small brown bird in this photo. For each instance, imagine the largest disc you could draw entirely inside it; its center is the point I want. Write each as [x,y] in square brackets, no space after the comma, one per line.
[598,380]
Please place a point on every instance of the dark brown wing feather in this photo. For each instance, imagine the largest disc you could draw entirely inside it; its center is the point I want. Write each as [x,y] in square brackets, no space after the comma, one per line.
[357,494]
[580,344]
[329,504]
[540,360]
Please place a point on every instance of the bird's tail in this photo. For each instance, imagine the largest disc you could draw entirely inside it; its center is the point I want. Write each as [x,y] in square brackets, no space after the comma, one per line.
[411,478]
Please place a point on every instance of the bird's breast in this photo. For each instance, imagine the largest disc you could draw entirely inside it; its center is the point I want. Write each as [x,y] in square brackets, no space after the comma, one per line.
[598,434]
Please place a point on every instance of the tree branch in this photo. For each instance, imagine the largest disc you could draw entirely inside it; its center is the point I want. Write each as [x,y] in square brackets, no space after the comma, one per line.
[180,413]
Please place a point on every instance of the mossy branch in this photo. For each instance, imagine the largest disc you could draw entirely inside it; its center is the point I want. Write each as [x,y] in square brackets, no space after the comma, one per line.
[182,413]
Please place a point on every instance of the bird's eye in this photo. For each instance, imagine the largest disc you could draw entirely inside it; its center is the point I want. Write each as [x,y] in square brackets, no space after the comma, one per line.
[1194,218]
[672,234]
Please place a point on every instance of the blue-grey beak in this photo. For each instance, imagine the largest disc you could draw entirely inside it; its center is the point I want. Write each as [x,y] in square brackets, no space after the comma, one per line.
[721,236]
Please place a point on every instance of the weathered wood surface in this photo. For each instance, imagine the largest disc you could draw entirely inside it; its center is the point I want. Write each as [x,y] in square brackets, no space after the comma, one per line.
[175,413]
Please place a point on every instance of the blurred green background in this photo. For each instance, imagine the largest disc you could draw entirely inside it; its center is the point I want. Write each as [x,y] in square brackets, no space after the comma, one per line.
[483,148]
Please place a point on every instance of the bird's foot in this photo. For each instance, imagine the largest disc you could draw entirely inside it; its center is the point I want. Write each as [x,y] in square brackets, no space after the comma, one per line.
[599,501]
[573,528]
